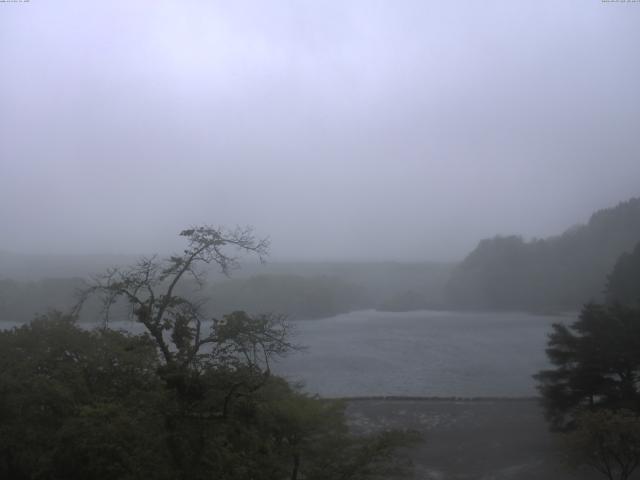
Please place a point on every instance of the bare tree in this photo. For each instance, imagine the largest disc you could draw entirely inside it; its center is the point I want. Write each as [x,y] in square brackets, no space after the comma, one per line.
[206,364]
[150,287]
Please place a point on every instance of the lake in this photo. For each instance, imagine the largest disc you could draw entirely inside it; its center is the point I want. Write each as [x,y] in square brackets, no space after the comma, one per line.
[422,353]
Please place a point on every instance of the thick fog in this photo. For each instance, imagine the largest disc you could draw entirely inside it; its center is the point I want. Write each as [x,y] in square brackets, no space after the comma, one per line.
[342,130]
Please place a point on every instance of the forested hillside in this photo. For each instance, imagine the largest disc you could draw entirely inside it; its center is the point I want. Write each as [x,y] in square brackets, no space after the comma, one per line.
[623,284]
[559,272]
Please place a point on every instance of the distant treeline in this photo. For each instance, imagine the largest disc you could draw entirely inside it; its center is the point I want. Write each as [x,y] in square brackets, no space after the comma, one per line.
[295,295]
[507,272]
[300,290]
[555,273]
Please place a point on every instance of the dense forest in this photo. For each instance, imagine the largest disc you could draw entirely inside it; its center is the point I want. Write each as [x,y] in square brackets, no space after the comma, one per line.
[560,272]
[623,284]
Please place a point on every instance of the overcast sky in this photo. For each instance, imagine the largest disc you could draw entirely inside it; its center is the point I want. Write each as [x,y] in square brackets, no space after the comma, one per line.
[369,129]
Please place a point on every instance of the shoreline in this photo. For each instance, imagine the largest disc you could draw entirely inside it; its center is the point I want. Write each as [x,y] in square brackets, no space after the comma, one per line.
[404,398]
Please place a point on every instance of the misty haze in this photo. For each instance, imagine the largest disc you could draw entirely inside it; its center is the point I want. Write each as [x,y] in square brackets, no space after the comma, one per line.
[319,240]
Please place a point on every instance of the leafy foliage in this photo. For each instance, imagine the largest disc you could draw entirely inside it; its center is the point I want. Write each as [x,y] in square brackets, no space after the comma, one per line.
[191,398]
[597,364]
[69,396]
[593,393]
[77,404]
